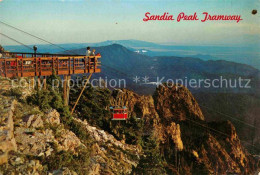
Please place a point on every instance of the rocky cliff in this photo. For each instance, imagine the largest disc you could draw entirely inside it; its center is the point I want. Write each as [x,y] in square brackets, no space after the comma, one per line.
[165,134]
[35,141]
[176,102]
[187,143]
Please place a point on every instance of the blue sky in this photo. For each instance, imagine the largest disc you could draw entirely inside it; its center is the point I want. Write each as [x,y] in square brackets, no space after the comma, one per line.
[83,21]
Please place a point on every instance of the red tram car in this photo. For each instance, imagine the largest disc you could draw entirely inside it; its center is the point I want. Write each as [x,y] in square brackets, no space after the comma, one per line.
[119,113]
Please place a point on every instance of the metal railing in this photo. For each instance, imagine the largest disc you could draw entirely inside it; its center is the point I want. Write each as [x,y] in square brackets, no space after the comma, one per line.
[29,64]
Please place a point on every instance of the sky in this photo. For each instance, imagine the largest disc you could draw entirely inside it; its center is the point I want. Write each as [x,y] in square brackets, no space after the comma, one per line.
[85,21]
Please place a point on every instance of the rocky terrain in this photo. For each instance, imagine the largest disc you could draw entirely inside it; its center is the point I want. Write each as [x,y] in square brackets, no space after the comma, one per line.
[173,136]
[30,138]
[243,110]
[185,139]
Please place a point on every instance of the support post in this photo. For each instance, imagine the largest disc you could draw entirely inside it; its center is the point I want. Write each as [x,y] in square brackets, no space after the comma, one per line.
[69,65]
[36,67]
[5,69]
[57,65]
[65,88]
[22,68]
[32,82]
[74,66]
[88,65]
[44,82]
[94,63]
[39,82]
[85,64]
[17,68]
[68,89]
[53,64]
[1,68]
[40,65]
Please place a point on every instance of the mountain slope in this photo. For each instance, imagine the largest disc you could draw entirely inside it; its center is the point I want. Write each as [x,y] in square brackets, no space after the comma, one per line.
[239,103]
[165,133]
[241,109]
[38,141]
[119,62]
[173,134]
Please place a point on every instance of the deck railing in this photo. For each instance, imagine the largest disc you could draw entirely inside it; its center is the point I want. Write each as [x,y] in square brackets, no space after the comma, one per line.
[27,65]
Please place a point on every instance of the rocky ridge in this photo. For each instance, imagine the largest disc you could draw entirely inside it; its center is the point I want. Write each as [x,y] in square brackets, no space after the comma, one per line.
[187,143]
[30,137]
[178,124]
[106,152]
[7,140]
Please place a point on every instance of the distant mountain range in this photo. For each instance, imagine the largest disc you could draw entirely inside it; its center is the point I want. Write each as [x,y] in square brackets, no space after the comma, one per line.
[246,55]
[120,62]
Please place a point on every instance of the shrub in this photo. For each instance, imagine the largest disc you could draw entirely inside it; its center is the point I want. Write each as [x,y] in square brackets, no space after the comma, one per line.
[77,162]
[94,107]
[47,99]
[15,92]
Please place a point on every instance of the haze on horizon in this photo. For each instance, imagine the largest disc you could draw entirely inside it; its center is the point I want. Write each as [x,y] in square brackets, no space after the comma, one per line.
[86,21]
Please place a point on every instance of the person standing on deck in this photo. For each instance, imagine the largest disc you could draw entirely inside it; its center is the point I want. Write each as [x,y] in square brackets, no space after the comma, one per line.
[93,52]
[93,59]
[1,51]
[88,52]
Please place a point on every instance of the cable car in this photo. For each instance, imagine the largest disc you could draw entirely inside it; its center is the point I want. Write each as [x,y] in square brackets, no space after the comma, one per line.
[119,113]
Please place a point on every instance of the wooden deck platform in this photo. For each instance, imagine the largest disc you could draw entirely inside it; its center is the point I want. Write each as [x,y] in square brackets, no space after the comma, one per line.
[16,64]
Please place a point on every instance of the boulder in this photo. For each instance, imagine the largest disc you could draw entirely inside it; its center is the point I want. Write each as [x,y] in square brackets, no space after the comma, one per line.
[3,158]
[38,144]
[34,121]
[7,140]
[53,117]
[36,166]
[68,141]
[95,169]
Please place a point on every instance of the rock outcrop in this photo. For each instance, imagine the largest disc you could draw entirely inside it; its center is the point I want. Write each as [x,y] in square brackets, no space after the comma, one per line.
[139,106]
[32,140]
[52,117]
[176,102]
[175,133]
[110,156]
[34,121]
[178,125]
[68,141]
[7,140]
[32,136]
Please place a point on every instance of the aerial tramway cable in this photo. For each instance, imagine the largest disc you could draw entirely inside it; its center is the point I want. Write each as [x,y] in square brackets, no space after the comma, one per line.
[69,51]
[220,132]
[226,115]
[81,94]
[34,36]
[16,41]
[127,76]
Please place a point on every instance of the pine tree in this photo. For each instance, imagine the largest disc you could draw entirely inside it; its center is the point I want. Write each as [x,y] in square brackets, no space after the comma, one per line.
[151,162]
